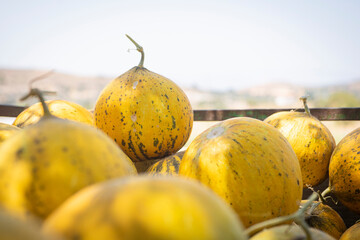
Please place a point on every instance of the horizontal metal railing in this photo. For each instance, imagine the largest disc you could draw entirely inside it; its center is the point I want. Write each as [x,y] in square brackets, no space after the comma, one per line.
[323,114]
[10,110]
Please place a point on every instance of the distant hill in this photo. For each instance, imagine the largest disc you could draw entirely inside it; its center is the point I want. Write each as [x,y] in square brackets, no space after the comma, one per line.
[85,90]
[79,89]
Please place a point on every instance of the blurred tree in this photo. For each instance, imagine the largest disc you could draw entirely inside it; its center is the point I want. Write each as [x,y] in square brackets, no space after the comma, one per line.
[342,99]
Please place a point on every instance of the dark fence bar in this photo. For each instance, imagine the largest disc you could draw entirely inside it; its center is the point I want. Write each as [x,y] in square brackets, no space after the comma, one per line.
[10,111]
[323,114]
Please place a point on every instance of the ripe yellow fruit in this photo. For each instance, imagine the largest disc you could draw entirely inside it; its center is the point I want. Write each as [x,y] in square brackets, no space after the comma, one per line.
[146,114]
[311,140]
[344,178]
[146,207]
[12,228]
[59,108]
[290,232]
[7,130]
[47,162]
[250,165]
[167,166]
[352,233]
[324,218]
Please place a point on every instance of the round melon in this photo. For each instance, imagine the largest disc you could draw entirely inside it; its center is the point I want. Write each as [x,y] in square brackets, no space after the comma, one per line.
[311,140]
[167,166]
[59,108]
[344,171]
[324,218]
[49,161]
[146,207]
[45,163]
[352,233]
[146,114]
[250,164]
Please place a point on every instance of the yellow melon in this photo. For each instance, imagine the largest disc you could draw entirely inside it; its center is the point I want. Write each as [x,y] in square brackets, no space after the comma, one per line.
[250,165]
[47,162]
[344,177]
[146,207]
[59,108]
[324,218]
[352,233]
[311,140]
[147,115]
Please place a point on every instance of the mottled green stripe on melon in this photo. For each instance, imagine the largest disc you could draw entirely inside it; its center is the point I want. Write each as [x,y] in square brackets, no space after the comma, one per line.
[250,165]
[149,115]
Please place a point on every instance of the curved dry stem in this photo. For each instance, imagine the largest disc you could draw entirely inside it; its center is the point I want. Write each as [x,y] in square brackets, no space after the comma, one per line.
[250,231]
[297,217]
[321,198]
[325,197]
[325,192]
[34,92]
[39,78]
[306,107]
[302,223]
[140,49]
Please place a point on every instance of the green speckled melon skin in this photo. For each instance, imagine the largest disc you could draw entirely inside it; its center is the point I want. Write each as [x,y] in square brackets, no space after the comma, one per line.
[146,114]
[250,164]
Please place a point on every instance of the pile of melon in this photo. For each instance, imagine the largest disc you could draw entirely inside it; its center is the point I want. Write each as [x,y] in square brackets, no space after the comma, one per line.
[121,171]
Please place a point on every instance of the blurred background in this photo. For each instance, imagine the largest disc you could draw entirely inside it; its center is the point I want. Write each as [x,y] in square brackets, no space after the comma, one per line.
[224,54]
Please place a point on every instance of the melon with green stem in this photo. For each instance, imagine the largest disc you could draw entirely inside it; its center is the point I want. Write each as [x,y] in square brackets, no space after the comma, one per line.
[59,108]
[278,228]
[146,114]
[47,162]
[321,216]
[311,140]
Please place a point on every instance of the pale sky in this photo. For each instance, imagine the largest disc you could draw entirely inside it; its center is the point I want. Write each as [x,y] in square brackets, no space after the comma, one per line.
[214,45]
